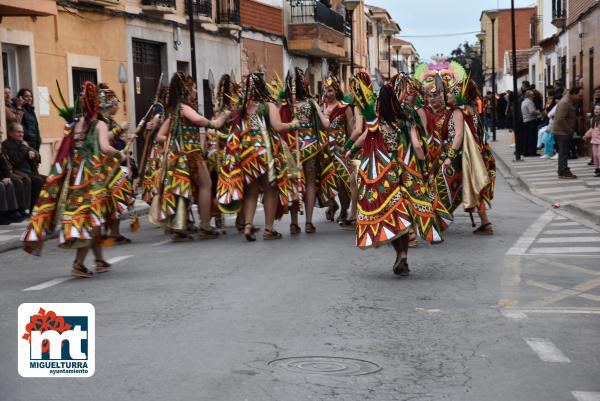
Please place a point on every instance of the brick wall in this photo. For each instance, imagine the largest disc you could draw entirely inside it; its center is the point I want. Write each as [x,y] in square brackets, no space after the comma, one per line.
[504,31]
[578,7]
[315,31]
[262,55]
[261,16]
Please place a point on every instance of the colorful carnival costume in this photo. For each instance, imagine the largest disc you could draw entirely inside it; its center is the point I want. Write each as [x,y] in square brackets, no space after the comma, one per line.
[151,167]
[467,179]
[84,189]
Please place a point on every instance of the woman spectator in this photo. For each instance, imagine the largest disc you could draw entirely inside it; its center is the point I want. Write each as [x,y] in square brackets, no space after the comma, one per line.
[29,120]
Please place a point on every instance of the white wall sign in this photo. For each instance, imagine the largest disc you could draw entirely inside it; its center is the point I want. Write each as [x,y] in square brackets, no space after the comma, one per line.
[44,101]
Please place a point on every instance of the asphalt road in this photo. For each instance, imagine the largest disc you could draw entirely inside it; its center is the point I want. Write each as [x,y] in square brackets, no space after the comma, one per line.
[202,320]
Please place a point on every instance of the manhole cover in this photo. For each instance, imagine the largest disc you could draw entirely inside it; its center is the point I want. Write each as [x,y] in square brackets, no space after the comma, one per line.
[326,365]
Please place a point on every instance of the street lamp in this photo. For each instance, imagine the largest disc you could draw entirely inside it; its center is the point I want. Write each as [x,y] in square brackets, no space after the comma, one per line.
[351,5]
[388,31]
[492,15]
[516,127]
[481,38]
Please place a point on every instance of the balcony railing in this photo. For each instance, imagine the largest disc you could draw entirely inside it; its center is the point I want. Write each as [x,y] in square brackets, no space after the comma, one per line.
[228,12]
[202,8]
[307,11]
[559,13]
[172,4]
[384,56]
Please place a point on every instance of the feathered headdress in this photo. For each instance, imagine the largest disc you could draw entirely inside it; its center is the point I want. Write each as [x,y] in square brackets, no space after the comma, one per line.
[107,98]
[228,92]
[364,97]
[68,113]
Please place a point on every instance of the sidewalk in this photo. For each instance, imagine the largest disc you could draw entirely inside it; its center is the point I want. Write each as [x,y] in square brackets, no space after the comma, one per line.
[10,235]
[539,176]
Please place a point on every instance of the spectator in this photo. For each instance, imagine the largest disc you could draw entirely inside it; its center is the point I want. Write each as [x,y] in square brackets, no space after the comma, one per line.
[593,134]
[596,100]
[564,127]
[8,200]
[487,108]
[538,99]
[29,121]
[502,110]
[24,160]
[530,118]
[13,109]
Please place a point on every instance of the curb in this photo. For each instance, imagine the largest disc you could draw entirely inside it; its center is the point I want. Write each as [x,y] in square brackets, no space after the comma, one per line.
[16,243]
[567,207]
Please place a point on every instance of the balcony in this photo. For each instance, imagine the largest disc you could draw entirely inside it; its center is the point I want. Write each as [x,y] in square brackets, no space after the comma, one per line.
[316,30]
[29,8]
[202,10]
[101,2]
[559,14]
[228,14]
[159,6]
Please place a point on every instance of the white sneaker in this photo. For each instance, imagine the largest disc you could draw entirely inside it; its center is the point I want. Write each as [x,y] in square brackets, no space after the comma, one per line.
[555,157]
[544,156]
[512,145]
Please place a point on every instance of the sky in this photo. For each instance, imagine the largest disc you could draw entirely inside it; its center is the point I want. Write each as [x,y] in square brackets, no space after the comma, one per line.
[440,17]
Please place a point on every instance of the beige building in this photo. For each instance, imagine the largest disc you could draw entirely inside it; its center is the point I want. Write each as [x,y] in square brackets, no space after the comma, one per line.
[68,45]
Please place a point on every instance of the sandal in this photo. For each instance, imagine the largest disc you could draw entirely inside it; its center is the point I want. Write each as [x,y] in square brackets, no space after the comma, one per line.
[342,216]
[207,233]
[119,240]
[102,266]
[79,270]
[484,229]
[249,232]
[181,237]
[295,229]
[220,223]
[333,208]
[271,234]
[349,225]
[309,228]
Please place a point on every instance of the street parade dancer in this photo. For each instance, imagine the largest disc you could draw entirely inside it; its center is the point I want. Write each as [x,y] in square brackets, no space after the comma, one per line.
[393,192]
[305,144]
[184,174]
[263,157]
[150,165]
[85,188]
[338,111]
[109,105]
[461,174]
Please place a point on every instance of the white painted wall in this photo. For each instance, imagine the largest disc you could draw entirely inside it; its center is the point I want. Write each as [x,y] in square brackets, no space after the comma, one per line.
[546,11]
[274,3]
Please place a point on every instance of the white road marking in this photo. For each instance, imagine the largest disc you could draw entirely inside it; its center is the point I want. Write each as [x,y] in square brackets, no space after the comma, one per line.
[55,281]
[516,315]
[527,238]
[563,311]
[546,350]
[47,284]
[585,396]
[161,242]
[567,231]
[560,240]
[564,250]
[117,259]
[564,224]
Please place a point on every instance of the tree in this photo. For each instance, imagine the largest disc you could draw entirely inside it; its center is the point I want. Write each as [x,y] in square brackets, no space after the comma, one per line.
[469,57]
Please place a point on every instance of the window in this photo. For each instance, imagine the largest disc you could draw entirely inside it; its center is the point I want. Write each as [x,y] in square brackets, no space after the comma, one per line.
[10,64]
[80,75]
[574,72]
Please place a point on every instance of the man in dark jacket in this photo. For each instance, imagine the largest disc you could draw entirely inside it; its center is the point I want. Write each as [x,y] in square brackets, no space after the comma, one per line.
[564,127]
[29,120]
[9,205]
[23,159]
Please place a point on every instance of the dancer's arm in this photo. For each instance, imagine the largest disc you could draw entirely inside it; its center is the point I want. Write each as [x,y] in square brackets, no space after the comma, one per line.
[459,126]
[200,121]
[276,123]
[324,120]
[104,142]
[163,132]
[349,118]
[416,143]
